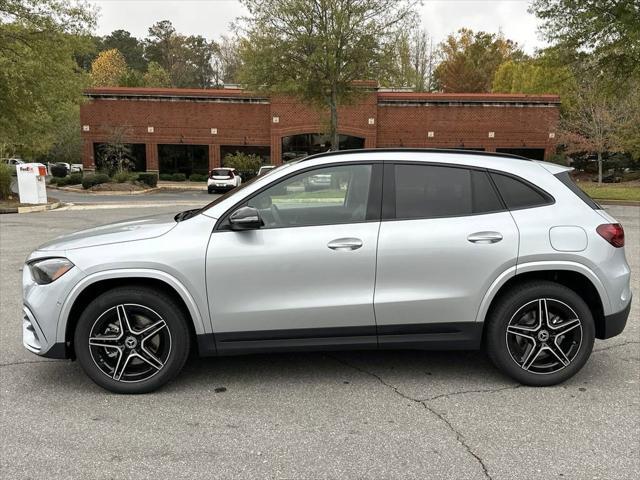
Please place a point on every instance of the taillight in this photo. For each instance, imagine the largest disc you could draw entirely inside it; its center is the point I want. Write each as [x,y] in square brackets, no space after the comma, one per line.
[612,233]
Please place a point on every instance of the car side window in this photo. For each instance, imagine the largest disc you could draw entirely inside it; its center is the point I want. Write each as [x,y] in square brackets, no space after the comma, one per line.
[324,196]
[430,191]
[517,194]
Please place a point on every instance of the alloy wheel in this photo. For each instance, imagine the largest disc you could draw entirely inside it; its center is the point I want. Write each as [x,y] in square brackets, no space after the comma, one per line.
[130,342]
[544,336]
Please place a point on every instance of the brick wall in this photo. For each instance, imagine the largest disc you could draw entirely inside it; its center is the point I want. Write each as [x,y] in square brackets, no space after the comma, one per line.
[159,116]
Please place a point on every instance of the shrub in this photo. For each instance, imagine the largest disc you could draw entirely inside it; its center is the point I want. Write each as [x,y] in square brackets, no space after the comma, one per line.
[53,181]
[247,165]
[165,177]
[150,179]
[91,180]
[74,179]
[628,177]
[122,177]
[178,177]
[5,181]
[197,177]
[58,170]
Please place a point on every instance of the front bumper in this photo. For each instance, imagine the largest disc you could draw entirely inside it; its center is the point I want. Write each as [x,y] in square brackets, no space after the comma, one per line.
[35,341]
[614,324]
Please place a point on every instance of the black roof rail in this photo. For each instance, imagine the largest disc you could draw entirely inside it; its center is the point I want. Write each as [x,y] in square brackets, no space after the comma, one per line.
[417,150]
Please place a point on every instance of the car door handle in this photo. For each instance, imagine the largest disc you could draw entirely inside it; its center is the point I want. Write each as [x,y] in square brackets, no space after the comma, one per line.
[345,244]
[485,237]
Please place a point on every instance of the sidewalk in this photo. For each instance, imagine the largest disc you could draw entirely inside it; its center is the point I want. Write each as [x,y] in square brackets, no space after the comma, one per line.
[186,185]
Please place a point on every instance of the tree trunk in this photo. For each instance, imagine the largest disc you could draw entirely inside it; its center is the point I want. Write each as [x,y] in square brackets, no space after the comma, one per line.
[333,126]
[599,168]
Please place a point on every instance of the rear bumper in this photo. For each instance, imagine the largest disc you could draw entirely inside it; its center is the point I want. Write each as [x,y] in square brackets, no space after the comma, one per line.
[614,324]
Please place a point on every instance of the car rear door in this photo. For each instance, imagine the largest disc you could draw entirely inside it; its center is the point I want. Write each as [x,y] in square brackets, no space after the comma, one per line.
[306,278]
[444,238]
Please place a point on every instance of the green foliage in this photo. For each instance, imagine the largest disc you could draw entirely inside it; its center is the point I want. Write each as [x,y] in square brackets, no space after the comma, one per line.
[166,177]
[470,60]
[178,177]
[150,179]
[122,177]
[39,78]
[115,155]
[5,181]
[318,51]
[608,30]
[196,177]
[156,76]
[67,141]
[246,164]
[96,179]
[131,48]
[73,179]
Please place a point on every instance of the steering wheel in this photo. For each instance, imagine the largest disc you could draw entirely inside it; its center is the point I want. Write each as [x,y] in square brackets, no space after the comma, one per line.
[275,213]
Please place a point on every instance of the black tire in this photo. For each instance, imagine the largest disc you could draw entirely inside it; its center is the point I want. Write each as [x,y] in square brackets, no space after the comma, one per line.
[143,308]
[533,357]
[210,191]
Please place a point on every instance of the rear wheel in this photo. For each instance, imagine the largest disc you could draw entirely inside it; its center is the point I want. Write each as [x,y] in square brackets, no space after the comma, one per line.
[132,340]
[540,333]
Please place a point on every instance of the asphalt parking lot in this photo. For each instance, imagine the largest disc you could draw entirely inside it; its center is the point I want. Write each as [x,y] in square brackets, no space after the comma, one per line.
[336,415]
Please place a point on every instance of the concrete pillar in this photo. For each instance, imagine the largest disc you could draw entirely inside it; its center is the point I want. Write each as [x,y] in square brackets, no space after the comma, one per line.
[151,152]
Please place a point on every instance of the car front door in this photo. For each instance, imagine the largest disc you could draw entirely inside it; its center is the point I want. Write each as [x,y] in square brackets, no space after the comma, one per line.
[306,277]
[445,237]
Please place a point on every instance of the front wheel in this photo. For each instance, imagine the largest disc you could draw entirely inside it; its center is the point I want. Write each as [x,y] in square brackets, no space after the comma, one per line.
[132,340]
[540,333]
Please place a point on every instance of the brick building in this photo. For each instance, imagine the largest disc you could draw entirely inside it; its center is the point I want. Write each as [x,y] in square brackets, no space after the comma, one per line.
[192,130]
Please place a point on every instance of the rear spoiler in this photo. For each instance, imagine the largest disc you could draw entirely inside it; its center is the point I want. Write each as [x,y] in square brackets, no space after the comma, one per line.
[554,168]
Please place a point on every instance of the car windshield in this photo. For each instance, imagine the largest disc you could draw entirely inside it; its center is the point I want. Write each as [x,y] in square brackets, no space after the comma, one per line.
[220,172]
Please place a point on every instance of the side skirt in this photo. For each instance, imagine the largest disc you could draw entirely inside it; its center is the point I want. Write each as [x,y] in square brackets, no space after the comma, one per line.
[431,336]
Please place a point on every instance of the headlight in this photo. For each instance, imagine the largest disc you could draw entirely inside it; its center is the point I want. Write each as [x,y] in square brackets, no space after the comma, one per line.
[50,269]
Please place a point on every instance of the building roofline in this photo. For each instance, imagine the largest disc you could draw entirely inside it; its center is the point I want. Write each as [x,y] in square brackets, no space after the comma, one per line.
[388,97]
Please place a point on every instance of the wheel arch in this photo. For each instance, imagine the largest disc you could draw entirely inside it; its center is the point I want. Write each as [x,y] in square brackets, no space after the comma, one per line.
[91,286]
[574,276]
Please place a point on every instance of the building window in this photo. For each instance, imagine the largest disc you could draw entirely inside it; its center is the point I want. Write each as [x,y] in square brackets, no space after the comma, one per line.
[298,146]
[187,159]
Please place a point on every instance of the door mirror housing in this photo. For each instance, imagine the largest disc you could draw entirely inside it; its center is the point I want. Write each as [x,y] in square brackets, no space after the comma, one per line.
[245,218]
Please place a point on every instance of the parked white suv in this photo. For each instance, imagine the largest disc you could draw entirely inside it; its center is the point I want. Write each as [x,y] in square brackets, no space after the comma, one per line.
[399,249]
[223,179]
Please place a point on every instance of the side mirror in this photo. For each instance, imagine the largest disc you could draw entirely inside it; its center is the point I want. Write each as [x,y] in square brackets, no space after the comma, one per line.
[245,218]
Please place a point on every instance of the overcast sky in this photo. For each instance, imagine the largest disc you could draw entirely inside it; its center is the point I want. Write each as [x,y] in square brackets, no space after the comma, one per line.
[211,18]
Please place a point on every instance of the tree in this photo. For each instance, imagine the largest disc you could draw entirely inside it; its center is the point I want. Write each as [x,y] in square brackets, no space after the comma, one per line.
[470,60]
[609,30]
[423,61]
[109,69]
[39,78]
[114,156]
[156,76]
[318,49]
[225,61]
[130,47]
[593,124]
[198,66]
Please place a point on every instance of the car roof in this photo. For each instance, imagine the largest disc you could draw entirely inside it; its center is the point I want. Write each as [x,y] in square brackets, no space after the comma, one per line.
[449,151]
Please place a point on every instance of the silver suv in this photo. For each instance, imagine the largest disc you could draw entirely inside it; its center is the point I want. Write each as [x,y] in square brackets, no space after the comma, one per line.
[417,249]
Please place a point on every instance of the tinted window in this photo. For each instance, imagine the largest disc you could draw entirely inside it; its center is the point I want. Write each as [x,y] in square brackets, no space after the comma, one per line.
[323,196]
[425,191]
[517,194]
[565,178]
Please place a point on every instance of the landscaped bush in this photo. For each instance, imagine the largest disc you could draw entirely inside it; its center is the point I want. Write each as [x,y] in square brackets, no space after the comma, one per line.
[91,180]
[627,177]
[165,177]
[74,179]
[58,170]
[122,176]
[5,181]
[178,177]
[53,181]
[150,179]
[197,177]
[247,165]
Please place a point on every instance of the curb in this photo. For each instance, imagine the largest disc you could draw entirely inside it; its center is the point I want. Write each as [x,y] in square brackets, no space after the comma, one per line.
[33,209]
[624,203]
[90,192]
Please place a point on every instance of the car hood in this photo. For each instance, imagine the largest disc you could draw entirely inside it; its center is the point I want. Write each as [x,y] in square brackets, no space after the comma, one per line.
[136,229]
